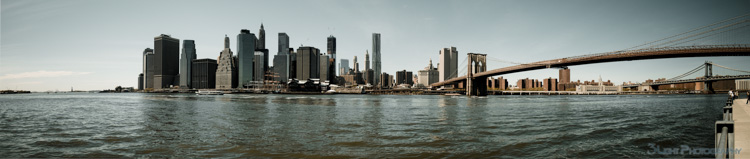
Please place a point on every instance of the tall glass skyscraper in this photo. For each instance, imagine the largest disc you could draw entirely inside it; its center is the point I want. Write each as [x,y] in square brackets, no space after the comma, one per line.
[376,57]
[246,45]
[186,63]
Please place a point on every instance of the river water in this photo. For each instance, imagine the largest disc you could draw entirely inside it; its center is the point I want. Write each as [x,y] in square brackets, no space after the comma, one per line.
[365,126]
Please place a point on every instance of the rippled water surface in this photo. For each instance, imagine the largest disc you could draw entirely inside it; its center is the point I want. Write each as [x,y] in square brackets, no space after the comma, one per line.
[247,125]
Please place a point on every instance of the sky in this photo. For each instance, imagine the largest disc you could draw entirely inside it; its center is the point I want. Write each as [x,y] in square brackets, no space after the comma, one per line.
[48,45]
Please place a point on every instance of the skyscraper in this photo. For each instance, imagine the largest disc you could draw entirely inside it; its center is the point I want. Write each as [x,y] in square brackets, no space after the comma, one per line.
[166,61]
[246,45]
[261,38]
[148,68]
[448,63]
[356,65]
[283,43]
[307,63]
[226,69]
[367,60]
[376,56]
[344,67]
[331,59]
[281,62]
[258,65]
[186,62]
[324,63]
[204,74]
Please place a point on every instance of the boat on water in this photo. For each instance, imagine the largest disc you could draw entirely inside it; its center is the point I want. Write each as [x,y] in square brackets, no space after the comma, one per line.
[200,92]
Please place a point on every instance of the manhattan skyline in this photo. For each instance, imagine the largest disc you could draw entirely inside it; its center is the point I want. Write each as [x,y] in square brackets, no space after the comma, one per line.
[94,45]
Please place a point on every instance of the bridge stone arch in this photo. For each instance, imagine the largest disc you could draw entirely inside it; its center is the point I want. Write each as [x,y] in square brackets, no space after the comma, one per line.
[476,86]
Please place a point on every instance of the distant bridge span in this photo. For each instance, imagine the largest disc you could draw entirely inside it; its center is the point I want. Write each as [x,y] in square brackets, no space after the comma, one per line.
[629,55]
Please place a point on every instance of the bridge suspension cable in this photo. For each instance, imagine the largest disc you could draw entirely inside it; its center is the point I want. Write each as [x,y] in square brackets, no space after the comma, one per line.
[730,68]
[702,66]
[651,44]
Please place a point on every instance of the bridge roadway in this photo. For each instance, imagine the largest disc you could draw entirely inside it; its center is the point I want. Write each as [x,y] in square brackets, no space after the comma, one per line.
[714,78]
[641,54]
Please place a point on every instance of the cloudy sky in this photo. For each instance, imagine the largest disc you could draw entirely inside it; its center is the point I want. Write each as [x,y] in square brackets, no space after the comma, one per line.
[98,44]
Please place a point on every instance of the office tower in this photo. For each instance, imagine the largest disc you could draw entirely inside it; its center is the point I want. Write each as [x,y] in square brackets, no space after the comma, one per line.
[332,59]
[186,61]
[246,45]
[308,63]
[203,73]
[148,68]
[369,79]
[404,77]
[428,76]
[344,67]
[448,63]
[281,67]
[384,83]
[367,60]
[140,81]
[258,72]
[227,68]
[376,56]
[324,59]
[261,38]
[356,65]
[292,64]
[166,61]
[283,43]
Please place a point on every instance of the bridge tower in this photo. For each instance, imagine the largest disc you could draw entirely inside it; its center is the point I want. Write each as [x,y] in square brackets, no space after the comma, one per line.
[476,86]
[707,88]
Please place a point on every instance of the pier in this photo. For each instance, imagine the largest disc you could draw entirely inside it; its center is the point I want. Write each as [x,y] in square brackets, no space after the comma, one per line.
[741,117]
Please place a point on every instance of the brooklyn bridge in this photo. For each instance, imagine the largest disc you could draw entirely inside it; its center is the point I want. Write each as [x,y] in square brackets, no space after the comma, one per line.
[724,38]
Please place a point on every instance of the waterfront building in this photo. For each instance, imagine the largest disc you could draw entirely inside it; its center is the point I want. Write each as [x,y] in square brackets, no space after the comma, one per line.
[376,56]
[308,63]
[502,84]
[368,76]
[323,68]
[550,84]
[428,75]
[522,84]
[203,73]
[404,77]
[166,61]
[600,87]
[186,61]
[148,68]
[385,83]
[367,73]
[448,66]
[226,70]
[344,67]
[140,82]
[258,66]
[246,46]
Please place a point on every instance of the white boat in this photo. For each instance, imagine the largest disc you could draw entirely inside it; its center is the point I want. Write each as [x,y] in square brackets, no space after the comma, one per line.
[200,92]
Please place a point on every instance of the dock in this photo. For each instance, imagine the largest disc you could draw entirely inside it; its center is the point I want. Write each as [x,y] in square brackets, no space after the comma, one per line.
[741,117]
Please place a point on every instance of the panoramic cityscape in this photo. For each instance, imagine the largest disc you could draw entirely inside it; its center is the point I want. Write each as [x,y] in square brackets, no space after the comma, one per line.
[375,79]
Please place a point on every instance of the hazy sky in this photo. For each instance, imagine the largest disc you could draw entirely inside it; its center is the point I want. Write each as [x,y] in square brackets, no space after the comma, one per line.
[98,44]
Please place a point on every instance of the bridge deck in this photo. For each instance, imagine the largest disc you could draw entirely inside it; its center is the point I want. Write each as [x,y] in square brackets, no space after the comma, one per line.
[741,117]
